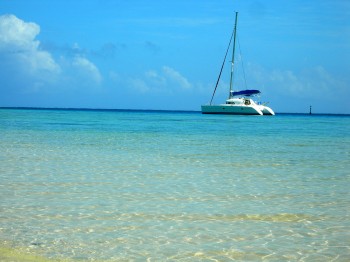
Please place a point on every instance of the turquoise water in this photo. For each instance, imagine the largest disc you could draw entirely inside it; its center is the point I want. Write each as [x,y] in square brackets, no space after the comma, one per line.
[177,186]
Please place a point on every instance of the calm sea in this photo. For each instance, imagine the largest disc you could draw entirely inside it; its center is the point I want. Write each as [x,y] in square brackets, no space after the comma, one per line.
[178,186]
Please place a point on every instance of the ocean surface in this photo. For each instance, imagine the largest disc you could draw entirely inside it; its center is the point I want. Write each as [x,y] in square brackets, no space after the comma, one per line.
[101,185]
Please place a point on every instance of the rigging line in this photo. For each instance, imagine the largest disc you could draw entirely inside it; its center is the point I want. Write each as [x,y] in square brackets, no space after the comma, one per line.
[223,63]
[240,53]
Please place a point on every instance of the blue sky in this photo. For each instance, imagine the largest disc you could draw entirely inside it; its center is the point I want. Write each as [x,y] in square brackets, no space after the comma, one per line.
[167,54]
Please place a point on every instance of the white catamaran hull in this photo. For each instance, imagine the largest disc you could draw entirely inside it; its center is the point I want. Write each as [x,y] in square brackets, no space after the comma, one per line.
[231,109]
[266,110]
[238,106]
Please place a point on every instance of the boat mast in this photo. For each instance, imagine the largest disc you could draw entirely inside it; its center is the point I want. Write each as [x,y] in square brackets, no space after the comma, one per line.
[233,55]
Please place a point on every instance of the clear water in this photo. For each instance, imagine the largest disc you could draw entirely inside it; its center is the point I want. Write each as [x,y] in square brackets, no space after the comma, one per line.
[156,186]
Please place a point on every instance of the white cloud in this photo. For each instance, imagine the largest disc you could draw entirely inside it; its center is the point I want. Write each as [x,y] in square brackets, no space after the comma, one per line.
[155,79]
[172,75]
[139,85]
[87,69]
[25,68]
[316,81]
[313,81]
[16,35]
[18,43]
[310,86]
[168,80]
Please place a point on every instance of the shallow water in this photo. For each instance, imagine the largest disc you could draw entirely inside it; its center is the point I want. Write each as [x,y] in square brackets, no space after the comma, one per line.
[145,185]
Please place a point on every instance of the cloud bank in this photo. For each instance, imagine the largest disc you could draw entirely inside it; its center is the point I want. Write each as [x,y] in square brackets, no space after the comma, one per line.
[308,86]
[26,67]
[315,81]
[87,69]
[18,47]
[167,80]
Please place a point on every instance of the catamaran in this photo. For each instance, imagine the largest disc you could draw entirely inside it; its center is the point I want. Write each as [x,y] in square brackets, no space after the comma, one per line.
[238,102]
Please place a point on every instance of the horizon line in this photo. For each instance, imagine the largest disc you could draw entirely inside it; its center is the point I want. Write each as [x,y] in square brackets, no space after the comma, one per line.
[143,110]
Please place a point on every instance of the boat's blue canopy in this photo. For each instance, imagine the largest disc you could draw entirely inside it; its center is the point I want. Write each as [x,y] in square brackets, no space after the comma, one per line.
[248,92]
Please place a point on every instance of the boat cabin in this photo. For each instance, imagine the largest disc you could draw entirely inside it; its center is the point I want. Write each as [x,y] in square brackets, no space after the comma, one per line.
[239,101]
